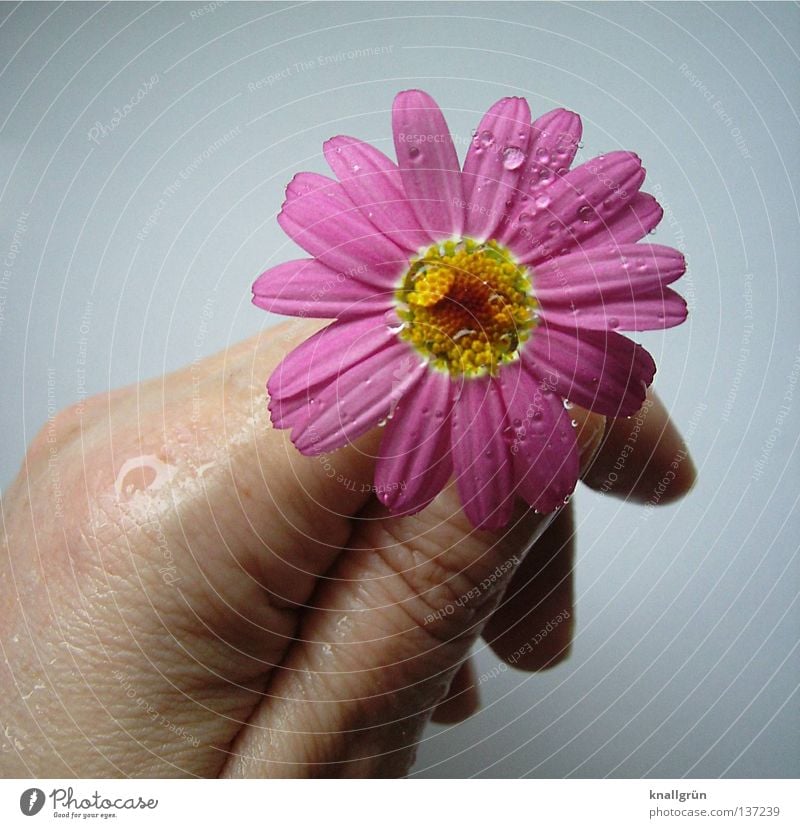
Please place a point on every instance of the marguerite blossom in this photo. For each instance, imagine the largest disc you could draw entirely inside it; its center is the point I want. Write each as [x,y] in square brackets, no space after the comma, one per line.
[472,305]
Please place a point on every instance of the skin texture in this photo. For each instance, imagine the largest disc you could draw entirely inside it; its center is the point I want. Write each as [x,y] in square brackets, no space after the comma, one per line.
[228,607]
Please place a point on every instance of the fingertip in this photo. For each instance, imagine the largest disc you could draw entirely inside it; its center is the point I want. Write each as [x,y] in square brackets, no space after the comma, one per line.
[533,627]
[463,698]
[643,458]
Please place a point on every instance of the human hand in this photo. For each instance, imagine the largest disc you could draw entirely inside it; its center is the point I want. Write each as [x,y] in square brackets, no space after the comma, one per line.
[185,594]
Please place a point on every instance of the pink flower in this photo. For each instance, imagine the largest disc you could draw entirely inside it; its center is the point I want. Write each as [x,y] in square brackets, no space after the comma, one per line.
[472,305]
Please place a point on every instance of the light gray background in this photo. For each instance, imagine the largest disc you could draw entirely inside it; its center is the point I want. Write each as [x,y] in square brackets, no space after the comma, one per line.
[685,660]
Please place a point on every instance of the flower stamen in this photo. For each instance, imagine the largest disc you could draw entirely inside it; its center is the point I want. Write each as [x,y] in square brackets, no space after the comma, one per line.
[466,306]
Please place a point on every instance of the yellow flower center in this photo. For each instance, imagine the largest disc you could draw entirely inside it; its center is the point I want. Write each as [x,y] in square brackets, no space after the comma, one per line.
[466,306]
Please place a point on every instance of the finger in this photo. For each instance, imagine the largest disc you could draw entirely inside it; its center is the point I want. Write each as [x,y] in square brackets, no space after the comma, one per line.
[462,699]
[532,627]
[203,460]
[394,619]
[643,458]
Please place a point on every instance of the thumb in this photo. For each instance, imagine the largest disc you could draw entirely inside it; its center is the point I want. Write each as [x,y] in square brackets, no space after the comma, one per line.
[392,622]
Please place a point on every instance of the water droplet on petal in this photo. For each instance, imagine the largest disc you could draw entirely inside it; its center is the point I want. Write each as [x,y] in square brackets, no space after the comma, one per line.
[486,138]
[414,154]
[585,213]
[513,158]
[613,322]
[524,218]
[543,202]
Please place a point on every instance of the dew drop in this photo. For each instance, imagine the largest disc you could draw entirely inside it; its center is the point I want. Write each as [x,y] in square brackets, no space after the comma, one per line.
[524,218]
[513,158]
[543,202]
[414,154]
[613,322]
[585,213]
[486,138]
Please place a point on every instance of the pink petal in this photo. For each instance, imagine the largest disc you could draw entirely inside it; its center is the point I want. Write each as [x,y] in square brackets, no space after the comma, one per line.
[317,362]
[646,311]
[574,207]
[601,371]
[319,215]
[428,163]
[597,274]
[543,447]
[481,459]
[493,166]
[633,222]
[306,287]
[363,395]
[341,383]
[414,463]
[554,141]
[374,184]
